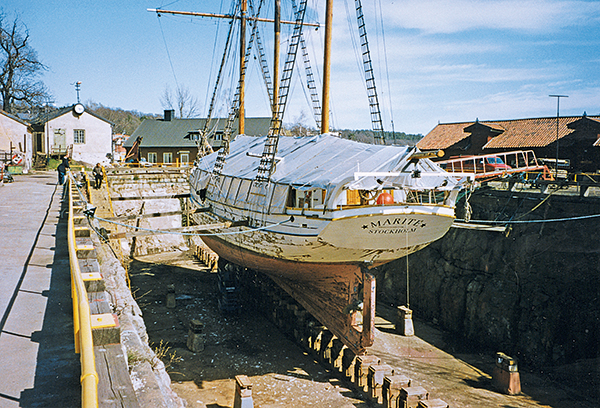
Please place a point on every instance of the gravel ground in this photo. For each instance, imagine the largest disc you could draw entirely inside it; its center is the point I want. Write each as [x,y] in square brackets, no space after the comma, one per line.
[282,374]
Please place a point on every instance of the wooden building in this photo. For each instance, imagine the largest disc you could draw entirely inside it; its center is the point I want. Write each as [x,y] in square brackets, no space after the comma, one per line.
[166,141]
[577,138]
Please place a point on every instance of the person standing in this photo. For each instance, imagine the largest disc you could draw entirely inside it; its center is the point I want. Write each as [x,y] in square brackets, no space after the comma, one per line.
[62,169]
[98,176]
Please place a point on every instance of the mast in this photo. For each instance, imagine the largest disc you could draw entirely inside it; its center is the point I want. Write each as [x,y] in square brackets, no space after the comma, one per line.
[327,66]
[241,113]
[277,29]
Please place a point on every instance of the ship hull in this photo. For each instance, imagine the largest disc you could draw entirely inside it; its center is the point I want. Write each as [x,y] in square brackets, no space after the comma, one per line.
[307,241]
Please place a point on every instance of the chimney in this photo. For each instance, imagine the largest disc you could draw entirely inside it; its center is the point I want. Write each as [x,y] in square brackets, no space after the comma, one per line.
[169,114]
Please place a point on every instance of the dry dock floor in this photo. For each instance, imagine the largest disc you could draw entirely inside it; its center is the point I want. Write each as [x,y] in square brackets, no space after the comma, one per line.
[286,375]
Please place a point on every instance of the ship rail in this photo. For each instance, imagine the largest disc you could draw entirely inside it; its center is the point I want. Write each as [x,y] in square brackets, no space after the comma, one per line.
[518,161]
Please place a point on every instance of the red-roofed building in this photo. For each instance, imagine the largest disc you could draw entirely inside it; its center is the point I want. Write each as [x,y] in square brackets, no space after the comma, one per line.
[578,139]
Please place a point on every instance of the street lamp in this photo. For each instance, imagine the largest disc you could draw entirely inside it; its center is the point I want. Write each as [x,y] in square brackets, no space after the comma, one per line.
[557,110]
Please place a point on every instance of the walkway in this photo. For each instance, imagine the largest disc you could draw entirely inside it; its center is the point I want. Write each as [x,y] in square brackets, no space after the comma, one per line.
[38,365]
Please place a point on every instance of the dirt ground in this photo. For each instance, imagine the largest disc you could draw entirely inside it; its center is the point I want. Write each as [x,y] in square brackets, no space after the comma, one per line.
[282,374]
[285,375]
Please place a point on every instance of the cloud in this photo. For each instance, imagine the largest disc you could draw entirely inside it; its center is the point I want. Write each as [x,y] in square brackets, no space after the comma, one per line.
[432,17]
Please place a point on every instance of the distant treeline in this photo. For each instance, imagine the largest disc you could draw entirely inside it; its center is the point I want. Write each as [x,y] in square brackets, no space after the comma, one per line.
[125,122]
[368,136]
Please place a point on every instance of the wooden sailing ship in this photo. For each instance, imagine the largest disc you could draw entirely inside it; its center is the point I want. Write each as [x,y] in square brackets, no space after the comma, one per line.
[315,213]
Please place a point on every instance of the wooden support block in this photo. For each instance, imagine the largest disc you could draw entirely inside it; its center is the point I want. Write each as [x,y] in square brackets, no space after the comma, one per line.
[171,302]
[505,375]
[392,384]
[196,338]
[79,219]
[100,321]
[243,392]
[375,378]
[89,265]
[105,324]
[105,329]
[404,322]
[114,383]
[348,364]
[90,272]
[85,248]
[410,396]
[326,345]
[361,368]
[434,403]
[94,282]
[314,339]
[82,232]
[337,353]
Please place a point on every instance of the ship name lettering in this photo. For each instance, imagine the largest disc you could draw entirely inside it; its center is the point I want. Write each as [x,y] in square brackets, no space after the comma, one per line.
[393,231]
[397,221]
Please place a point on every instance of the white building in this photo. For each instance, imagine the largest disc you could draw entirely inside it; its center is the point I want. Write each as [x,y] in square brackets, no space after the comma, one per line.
[16,143]
[85,135]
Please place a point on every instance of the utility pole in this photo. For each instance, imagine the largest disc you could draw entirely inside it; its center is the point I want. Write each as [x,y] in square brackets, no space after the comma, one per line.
[557,112]
[77,88]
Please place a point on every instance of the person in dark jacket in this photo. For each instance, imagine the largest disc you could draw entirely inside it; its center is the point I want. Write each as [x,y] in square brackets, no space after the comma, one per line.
[62,169]
[98,176]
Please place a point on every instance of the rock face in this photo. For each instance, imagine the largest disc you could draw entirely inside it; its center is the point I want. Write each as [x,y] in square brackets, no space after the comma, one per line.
[533,291]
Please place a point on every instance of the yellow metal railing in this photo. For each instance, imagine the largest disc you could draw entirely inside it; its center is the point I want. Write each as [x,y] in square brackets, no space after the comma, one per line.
[84,344]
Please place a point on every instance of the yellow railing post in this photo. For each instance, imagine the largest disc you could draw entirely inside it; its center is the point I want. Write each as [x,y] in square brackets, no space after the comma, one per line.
[84,343]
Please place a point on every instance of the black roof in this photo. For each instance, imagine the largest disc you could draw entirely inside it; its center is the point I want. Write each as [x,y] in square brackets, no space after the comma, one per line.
[42,118]
[171,133]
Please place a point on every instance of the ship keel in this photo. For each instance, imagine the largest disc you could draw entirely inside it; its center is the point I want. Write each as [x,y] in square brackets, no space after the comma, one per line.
[340,296]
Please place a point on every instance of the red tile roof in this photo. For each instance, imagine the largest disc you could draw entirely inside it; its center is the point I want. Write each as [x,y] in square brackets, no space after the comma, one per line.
[519,133]
[444,135]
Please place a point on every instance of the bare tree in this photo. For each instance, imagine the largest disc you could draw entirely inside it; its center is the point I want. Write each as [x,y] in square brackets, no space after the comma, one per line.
[183,102]
[299,127]
[19,67]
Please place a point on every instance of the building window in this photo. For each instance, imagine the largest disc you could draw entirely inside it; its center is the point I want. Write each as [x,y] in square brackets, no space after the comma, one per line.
[184,158]
[219,136]
[167,158]
[152,157]
[79,136]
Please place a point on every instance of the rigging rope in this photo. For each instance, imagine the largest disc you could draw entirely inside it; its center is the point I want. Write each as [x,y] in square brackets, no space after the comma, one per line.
[583,217]
[167,49]
[387,71]
[159,231]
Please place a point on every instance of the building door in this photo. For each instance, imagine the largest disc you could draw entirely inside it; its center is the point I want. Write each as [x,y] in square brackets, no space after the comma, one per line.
[39,142]
[60,142]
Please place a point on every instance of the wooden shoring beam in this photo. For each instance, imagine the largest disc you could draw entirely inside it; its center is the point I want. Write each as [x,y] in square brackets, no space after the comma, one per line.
[194,228]
[151,197]
[154,215]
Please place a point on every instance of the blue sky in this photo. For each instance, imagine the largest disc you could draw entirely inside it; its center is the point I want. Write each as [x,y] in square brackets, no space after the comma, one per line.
[444,61]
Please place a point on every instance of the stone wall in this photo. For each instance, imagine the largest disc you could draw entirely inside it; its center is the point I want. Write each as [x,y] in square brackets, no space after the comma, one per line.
[533,291]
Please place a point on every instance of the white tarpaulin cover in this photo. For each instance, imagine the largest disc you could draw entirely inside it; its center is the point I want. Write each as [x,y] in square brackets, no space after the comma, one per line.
[325,161]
